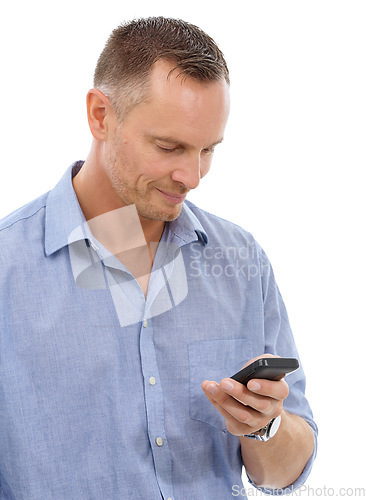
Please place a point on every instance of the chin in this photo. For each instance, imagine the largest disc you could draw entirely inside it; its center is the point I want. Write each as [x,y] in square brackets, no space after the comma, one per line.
[172,217]
[160,215]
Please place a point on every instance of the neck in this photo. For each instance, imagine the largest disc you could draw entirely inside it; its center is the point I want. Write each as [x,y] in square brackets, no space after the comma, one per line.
[101,206]
[152,229]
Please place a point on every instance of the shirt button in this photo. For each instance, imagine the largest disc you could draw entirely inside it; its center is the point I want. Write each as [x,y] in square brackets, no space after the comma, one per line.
[144,324]
[94,247]
[152,380]
[159,441]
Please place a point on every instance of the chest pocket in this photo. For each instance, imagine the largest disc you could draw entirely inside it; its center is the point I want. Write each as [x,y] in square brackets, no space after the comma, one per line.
[213,360]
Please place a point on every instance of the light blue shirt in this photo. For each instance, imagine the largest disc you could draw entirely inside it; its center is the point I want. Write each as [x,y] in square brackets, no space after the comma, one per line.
[100,389]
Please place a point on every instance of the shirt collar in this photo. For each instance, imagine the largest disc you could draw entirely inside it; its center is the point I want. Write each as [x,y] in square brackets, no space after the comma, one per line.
[63,212]
[187,228]
[64,217]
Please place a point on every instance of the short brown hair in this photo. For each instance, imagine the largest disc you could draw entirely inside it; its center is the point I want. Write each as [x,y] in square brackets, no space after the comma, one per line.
[124,65]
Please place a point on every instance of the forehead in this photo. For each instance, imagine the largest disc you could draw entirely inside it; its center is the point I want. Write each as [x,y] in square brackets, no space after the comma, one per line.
[166,79]
[181,106]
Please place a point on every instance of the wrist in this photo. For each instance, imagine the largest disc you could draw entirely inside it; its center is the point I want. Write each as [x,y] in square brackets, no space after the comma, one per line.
[267,432]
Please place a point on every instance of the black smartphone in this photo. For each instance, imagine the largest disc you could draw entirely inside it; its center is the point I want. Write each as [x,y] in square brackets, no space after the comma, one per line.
[268,368]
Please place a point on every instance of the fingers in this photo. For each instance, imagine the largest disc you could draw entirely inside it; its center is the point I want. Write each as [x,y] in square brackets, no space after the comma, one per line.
[268,388]
[236,415]
[226,404]
[246,409]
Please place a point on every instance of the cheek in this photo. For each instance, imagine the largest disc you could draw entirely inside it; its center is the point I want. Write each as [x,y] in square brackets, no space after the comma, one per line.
[205,168]
[156,166]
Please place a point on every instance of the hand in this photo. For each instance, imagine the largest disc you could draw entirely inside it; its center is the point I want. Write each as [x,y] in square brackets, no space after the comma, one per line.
[247,409]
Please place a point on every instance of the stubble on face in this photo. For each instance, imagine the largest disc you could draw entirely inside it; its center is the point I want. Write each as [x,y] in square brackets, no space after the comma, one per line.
[143,192]
[188,116]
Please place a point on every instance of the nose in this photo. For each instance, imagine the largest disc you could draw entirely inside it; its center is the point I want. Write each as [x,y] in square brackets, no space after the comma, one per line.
[188,172]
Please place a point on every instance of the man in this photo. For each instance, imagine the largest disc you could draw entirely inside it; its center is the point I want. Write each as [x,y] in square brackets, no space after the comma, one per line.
[126,309]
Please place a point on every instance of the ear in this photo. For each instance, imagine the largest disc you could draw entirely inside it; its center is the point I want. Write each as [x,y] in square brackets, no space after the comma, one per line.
[99,110]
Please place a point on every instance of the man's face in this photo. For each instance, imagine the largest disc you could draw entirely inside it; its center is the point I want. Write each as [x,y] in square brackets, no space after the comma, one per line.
[164,146]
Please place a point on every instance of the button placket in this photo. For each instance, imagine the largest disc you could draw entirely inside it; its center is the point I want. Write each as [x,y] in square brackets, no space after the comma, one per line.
[155,407]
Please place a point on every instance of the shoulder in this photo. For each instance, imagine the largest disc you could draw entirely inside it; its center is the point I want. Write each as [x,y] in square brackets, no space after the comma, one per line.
[23,214]
[221,229]
[230,242]
[22,231]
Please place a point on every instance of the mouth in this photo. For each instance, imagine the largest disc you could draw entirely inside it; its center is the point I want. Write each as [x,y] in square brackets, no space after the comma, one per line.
[174,198]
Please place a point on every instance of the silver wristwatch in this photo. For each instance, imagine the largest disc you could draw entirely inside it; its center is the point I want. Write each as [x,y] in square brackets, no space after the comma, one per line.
[267,432]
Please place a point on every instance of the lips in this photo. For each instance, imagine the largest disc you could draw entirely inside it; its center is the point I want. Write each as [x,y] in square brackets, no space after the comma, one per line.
[174,198]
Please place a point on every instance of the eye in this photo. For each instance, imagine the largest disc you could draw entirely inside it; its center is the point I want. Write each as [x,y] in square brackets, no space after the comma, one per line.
[165,149]
[208,151]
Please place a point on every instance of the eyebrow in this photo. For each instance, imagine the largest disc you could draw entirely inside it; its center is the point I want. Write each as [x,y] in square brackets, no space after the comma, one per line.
[172,140]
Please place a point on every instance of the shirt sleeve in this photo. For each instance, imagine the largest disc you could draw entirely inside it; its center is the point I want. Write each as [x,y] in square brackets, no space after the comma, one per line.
[279,340]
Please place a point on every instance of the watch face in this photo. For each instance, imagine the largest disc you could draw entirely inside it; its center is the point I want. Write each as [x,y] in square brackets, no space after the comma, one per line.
[274,427]
[266,432]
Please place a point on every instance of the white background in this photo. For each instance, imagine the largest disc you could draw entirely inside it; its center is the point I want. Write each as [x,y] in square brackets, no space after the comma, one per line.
[289,171]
